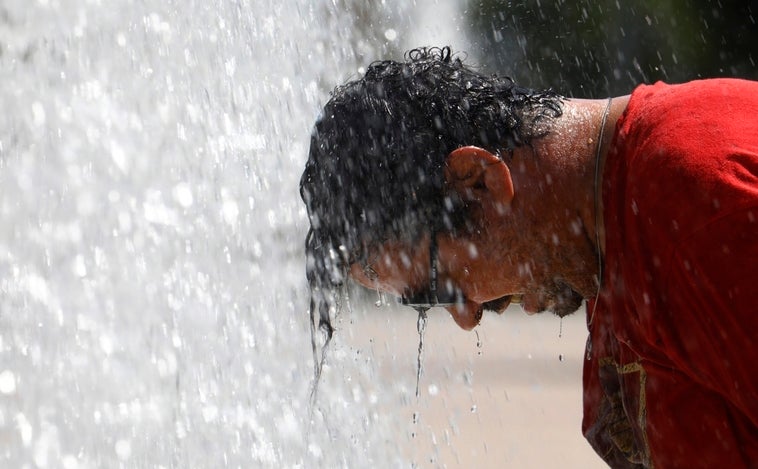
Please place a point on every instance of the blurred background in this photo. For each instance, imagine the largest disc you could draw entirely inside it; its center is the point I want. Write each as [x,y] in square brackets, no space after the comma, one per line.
[153,308]
[604,48]
[584,48]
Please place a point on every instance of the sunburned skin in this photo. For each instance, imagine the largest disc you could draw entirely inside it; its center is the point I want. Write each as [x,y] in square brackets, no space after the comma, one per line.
[399,272]
[532,253]
[468,314]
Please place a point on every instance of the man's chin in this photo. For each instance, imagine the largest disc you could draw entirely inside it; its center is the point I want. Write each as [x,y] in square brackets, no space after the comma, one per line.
[566,302]
[497,305]
[562,301]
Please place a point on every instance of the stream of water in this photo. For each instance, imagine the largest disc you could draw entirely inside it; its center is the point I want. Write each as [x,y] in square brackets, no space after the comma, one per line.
[152,294]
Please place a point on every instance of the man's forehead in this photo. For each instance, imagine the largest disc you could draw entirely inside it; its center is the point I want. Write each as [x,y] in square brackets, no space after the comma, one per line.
[390,247]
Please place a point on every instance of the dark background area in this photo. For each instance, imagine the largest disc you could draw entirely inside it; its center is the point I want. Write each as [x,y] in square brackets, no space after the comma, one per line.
[599,48]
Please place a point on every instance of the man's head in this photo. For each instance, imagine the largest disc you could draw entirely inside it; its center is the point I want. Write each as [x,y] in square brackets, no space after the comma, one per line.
[376,169]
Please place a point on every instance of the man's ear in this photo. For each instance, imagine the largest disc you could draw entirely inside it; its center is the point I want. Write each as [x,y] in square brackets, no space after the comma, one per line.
[479,176]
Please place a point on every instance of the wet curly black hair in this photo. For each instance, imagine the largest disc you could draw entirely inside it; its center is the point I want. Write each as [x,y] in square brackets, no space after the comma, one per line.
[375,167]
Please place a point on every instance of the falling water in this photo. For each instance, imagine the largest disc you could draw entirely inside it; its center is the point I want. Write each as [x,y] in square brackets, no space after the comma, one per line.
[152,294]
[153,309]
[420,328]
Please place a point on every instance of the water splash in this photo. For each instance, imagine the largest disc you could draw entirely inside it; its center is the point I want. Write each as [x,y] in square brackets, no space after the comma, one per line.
[152,296]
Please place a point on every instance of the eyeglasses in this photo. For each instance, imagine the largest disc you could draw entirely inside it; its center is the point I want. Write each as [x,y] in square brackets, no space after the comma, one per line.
[422,301]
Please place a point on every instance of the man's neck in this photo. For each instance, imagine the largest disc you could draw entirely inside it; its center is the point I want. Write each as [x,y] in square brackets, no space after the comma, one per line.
[555,184]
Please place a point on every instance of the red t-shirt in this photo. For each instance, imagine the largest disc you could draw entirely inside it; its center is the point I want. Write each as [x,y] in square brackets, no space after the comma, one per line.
[671,377]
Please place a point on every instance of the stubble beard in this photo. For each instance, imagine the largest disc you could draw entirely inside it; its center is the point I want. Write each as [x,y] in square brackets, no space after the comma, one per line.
[558,297]
[563,299]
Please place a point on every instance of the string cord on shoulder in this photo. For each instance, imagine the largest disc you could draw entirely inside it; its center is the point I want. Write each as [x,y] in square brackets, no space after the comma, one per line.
[598,195]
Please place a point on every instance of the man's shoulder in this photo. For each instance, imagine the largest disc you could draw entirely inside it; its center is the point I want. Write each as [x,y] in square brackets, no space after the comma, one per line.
[693,146]
[691,114]
[703,91]
[677,165]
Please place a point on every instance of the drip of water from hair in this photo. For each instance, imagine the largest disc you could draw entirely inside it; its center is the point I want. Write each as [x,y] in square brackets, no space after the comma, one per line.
[379,299]
[560,329]
[420,327]
[478,343]
[319,360]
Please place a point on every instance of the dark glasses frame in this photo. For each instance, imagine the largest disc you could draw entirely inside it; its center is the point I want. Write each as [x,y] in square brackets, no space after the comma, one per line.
[422,301]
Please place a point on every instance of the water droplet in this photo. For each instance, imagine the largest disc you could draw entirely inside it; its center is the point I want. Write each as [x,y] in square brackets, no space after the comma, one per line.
[123,449]
[182,193]
[106,344]
[473,409]
[80,267]
[25,429]
[209,413]
[560,357]
[7,382]
[69,462]
[230,211]
[38,114]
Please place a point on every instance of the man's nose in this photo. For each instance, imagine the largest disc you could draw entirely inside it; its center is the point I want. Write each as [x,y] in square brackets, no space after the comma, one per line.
[467,315]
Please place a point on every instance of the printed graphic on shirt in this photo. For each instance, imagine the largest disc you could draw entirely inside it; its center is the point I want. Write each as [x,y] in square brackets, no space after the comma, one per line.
[622,414]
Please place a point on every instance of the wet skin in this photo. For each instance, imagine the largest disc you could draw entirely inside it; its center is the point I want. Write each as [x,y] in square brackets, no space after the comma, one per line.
[485,282]
[539,248]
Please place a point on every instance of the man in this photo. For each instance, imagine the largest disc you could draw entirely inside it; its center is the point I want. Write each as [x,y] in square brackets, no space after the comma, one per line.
[439,185]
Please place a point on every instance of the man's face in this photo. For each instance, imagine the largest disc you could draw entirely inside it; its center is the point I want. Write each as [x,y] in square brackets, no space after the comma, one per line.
[512,249]
[476,266]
